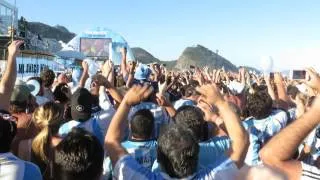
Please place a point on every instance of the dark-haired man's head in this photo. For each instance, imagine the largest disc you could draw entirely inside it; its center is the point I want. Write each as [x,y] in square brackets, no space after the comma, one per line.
[62,93]
[188,91]
[259,104]
[192,118]
[8,130]
[47,76]
[177,152]
[292,91]
[142,124]
[78,156]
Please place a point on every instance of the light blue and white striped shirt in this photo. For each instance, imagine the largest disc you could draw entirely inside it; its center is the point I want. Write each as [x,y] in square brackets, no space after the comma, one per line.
[13,168]
[260,131]
[128,168]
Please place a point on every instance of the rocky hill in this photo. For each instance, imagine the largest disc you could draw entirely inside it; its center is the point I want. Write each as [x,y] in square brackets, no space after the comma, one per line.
[201,56]
[42,37]
[197,56]
[143,56]
[57,32]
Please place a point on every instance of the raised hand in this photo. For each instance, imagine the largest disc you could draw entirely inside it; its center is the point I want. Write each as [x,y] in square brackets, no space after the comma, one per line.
[107,68]
[85,66]
[13,48]
[278,78]
[162,100]
[123,51]
[207,109]
[313,79]
[210,94]
[137,94]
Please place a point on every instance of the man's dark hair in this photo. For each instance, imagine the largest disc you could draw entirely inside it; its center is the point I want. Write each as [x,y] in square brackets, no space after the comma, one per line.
[47,76]
[142,124]
[60,93]
[191,117]
[8,130]
[78,156]
[259,104]
[188,91]
[292,91]
[177,151]
[194,83]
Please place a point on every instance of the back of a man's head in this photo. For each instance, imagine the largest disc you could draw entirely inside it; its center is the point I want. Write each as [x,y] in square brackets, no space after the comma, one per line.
[191,117]
[259,104]
[177,152]
[142,124]
[47,76]
[78,156]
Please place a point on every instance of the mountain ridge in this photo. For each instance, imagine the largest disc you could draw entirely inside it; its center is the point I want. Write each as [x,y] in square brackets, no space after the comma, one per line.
[40,36]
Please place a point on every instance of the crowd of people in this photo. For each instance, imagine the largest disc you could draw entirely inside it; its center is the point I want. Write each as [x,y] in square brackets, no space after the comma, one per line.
[146,122]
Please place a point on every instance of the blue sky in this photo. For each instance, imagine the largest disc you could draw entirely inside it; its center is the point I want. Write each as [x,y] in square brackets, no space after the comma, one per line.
[243,31]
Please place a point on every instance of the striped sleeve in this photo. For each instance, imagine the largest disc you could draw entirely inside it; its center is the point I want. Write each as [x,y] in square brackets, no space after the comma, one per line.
[309,172]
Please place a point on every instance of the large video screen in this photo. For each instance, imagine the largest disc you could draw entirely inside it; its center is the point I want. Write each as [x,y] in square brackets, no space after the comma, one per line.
[95,47]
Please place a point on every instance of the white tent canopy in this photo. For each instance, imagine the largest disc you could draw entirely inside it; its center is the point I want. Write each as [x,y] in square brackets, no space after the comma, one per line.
[73,48]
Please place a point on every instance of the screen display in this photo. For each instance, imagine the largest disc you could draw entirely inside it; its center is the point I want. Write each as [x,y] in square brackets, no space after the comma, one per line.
[95,47]
[299,74]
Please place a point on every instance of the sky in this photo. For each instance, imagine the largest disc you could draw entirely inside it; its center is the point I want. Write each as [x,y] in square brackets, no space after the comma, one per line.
[242,31]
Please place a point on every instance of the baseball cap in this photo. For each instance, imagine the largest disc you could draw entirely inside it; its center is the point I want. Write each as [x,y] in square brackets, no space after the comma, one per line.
[142,72]
[81,103]
[21,92]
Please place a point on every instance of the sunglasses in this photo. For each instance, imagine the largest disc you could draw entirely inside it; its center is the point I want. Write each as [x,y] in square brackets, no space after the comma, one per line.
[8,117]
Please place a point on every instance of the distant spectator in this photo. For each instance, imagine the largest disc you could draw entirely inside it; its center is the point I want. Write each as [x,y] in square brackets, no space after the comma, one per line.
[38,90]
[48,76]
[189,97]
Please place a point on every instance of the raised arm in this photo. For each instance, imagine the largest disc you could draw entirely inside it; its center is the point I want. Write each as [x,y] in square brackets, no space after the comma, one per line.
[131,75]
[116,129]
[85,74]
[9,76]
[163,102]
[280,149]
[107,71]
[270,89]
[123,66]
[281,89]
[237,134]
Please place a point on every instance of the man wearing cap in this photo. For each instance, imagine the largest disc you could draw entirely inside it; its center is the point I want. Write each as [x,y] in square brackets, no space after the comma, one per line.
[84,117]
[22,105]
